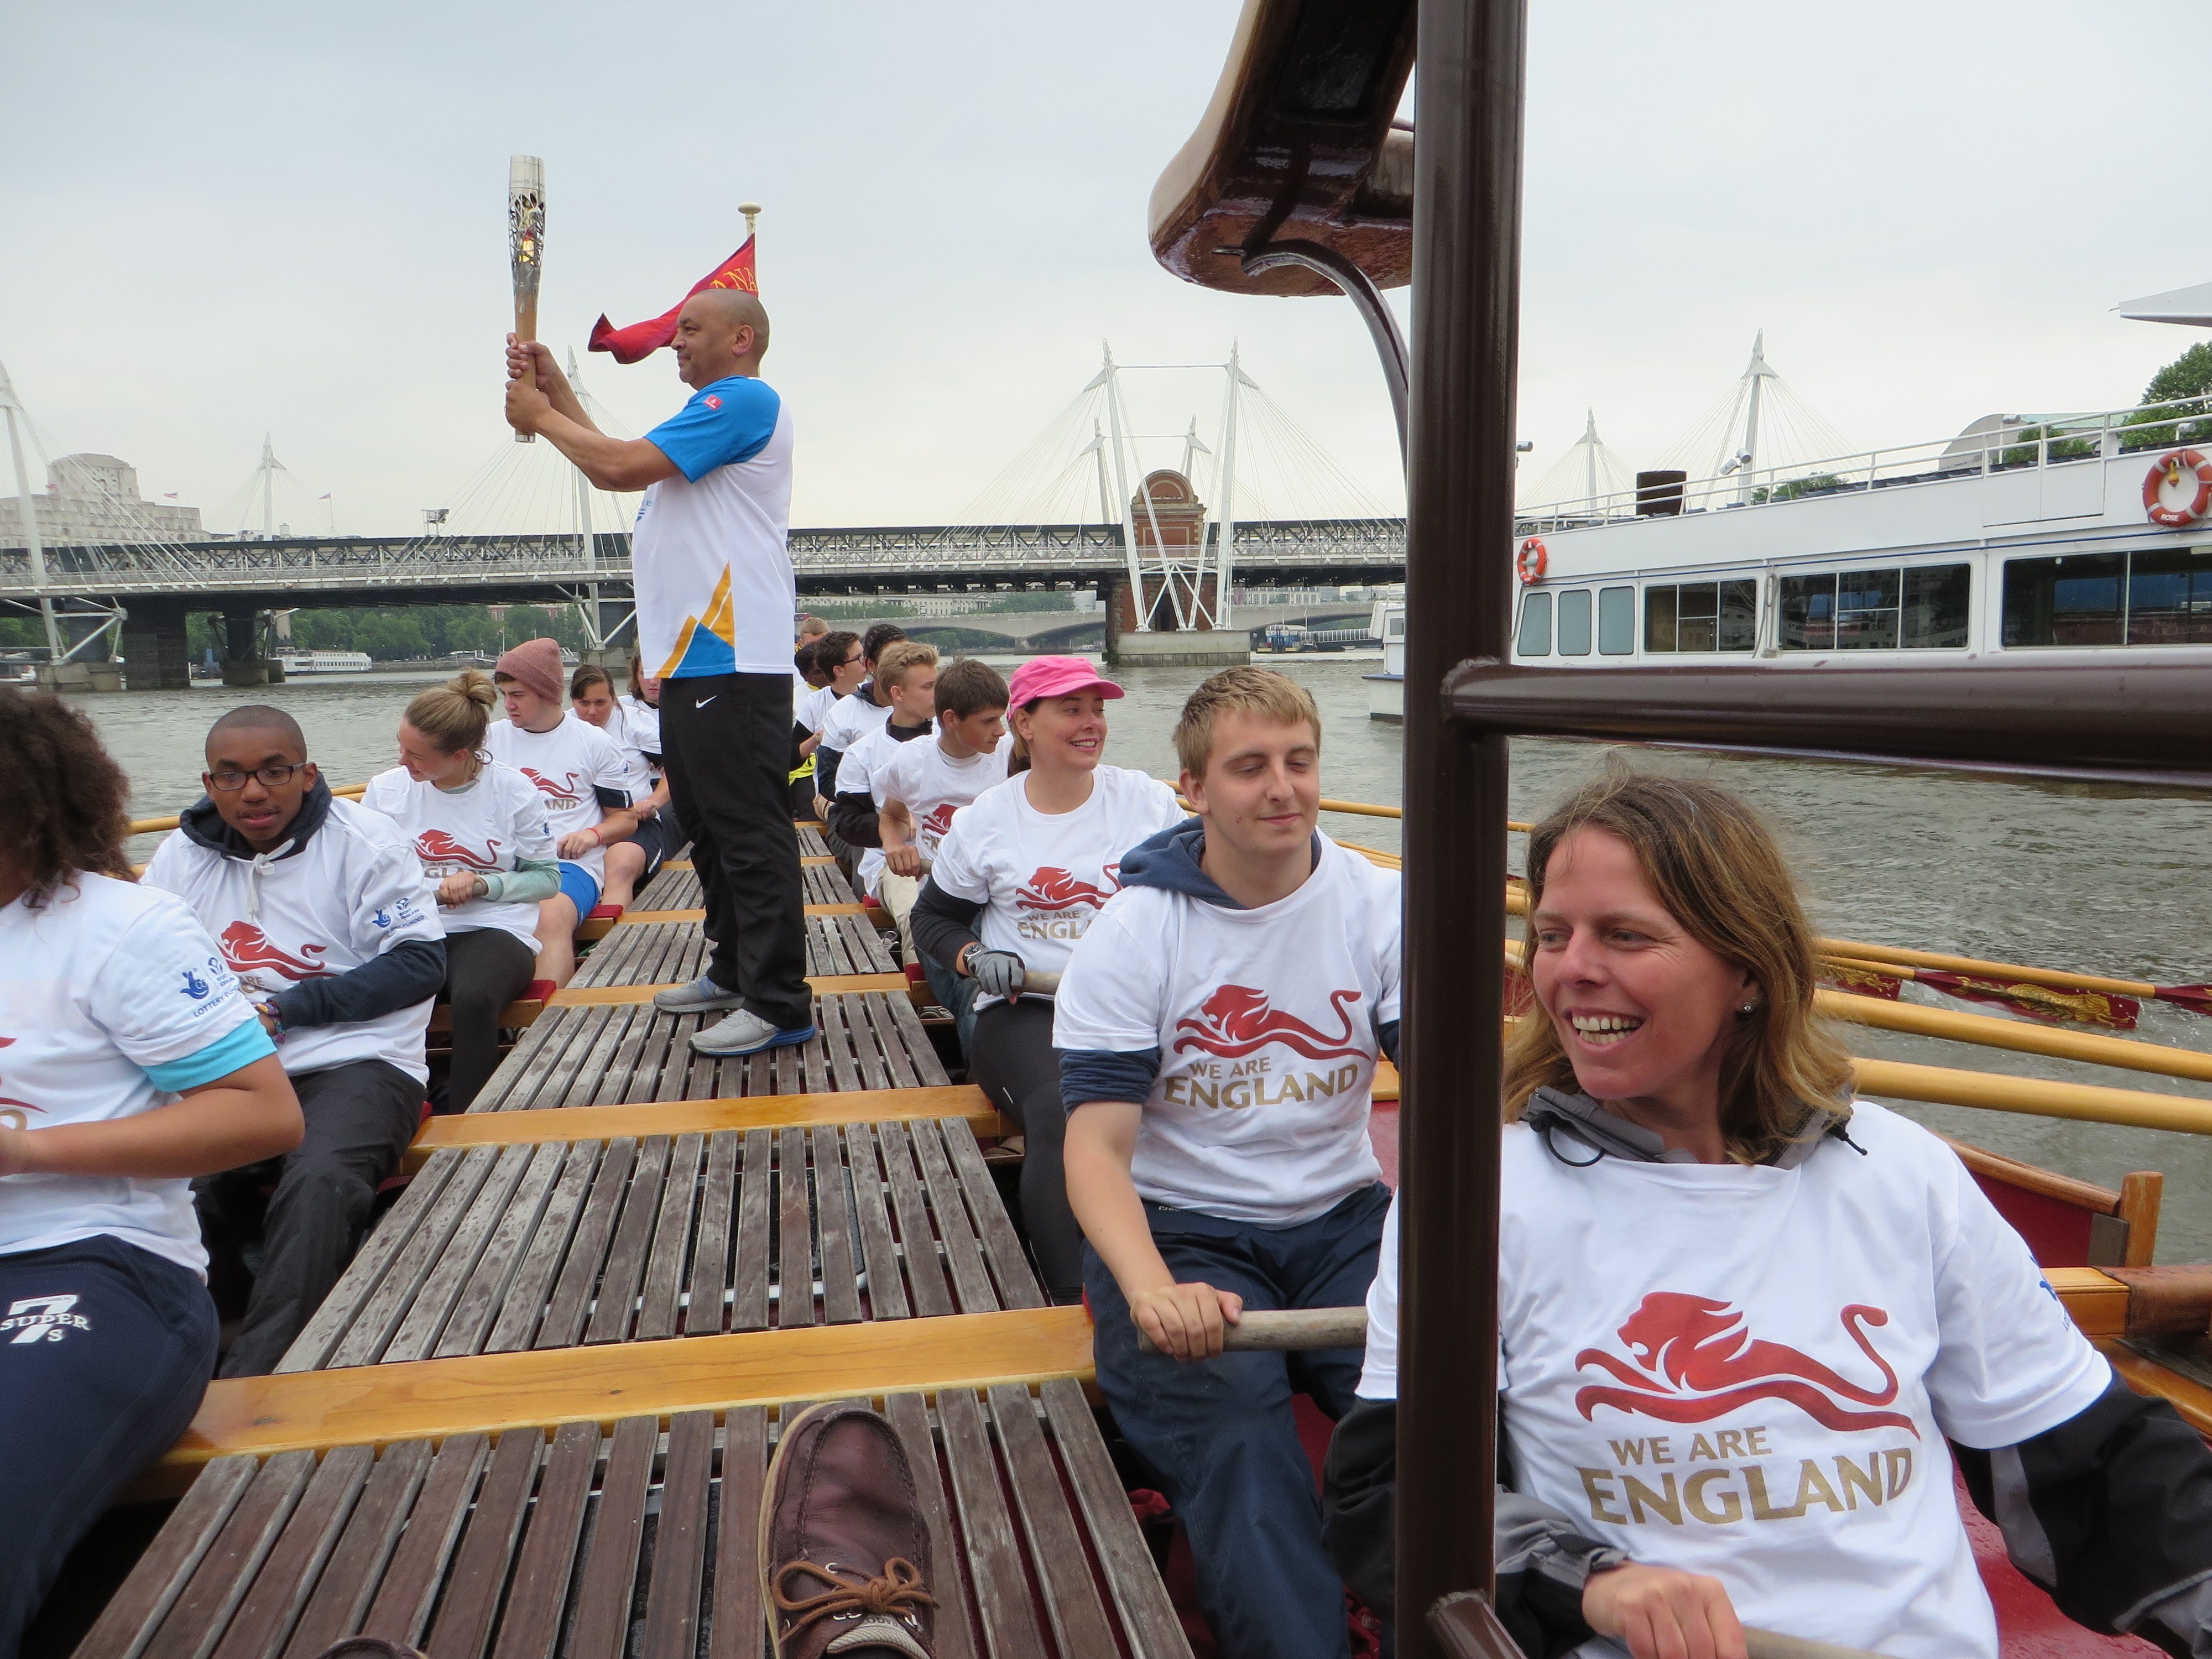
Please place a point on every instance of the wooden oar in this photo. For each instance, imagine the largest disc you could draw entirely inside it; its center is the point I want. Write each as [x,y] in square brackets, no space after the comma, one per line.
[2197,999]
[159,826]
[1289,1329]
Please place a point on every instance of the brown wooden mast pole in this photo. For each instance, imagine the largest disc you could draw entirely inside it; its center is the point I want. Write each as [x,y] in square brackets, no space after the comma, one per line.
[1466,217]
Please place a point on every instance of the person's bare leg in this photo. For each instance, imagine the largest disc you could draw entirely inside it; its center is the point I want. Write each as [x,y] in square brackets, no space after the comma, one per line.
[556,940]
[625,864]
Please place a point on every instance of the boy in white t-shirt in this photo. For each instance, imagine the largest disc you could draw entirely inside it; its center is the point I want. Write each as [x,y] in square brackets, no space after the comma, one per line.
[1219,1026]
[917,794]
[908,674]
[321,909]
[847,720]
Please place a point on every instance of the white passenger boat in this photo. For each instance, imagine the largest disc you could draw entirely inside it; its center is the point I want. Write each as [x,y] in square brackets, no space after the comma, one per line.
[2050,538]
[324,662]
[1385,691]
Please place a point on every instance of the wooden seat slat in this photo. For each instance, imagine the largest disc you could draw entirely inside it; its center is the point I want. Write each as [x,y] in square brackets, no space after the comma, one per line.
[417,1334]
[604,1593]
[795,1232]
[737,1617]
[1079,1622]
[833,1221]
[925,1271]
[370,1329]
[547,1560]
[661,1295]
[1148,1618]
[565,1311]
[219,1581]
[910,1417]
[503,1263]
[267,1614]
[1010,1267]
[964,1251]
[679,1545]
[356,1566]
[326,1326]
[535,1275]
[811,844]
[472,1596]
[1001,1580]
[402,1608]
[709,1280]
[887,1297]
[614,1300]
[135,1612]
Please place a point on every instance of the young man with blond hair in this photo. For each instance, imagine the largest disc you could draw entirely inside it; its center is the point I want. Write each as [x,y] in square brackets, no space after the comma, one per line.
[906,679]
[1219,1025]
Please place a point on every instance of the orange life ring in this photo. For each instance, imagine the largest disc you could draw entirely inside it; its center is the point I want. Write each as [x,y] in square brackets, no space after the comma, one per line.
[1531,559]
[2168,471]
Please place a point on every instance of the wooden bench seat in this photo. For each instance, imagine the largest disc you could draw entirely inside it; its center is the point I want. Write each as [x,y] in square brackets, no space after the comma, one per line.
[628,1051]
[555,1243]
[678,889]
[598,1540]
[671,952]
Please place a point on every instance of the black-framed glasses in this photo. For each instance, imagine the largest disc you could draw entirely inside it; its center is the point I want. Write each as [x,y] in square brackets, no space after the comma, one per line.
[270,777]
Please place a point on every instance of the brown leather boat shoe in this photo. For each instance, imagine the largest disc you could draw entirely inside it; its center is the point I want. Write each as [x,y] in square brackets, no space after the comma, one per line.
[845,1565]
[367,1647]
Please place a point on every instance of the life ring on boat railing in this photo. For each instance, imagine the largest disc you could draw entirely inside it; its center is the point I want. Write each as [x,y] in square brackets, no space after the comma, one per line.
[2169,470]
[1531,561]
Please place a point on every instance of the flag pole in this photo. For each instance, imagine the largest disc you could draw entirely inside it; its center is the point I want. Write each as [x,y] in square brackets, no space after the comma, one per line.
[526,245]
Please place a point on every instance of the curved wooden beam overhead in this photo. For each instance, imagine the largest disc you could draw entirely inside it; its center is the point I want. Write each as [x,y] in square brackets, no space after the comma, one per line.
[1297,144]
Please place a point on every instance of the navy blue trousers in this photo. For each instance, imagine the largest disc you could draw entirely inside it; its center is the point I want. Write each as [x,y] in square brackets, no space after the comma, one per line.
[1219,1433]
[104,1352]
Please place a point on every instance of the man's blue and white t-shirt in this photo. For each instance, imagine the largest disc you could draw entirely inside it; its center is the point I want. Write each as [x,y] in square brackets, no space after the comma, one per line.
[112,1000]
[712,572]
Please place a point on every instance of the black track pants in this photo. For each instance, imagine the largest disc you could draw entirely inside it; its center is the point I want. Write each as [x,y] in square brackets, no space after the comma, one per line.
[486,968]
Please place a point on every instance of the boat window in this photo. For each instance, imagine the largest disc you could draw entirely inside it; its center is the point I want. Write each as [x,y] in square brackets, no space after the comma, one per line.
[1936,605]
[1616,622]
[2169,597]
[1575,623]
[1536,626]
[1919,608]
[2076,598]
[1702,616]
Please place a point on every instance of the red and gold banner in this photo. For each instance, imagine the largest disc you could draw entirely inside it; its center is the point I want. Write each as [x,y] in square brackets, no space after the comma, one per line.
[640,340]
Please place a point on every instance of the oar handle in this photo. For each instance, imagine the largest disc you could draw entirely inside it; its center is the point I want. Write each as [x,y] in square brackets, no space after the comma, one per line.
[1773,1644]
[1042,983]
[1288,1328]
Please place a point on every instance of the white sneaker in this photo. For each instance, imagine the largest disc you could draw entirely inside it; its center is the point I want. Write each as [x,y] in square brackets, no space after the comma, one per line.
[746,1033]
[700,996]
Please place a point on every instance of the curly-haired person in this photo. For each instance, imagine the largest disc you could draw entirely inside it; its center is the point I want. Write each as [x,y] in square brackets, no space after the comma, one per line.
[129,1063]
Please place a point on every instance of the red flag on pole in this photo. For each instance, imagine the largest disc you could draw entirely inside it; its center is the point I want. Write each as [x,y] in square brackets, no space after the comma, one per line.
[640,340]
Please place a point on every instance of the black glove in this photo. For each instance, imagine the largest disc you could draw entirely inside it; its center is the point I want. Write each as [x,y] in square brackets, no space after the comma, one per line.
[996,973]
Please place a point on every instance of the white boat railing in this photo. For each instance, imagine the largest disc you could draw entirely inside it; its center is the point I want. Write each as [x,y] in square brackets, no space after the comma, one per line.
[2018,442]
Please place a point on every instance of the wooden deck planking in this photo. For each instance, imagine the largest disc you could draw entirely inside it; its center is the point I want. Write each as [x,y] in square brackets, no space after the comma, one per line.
[617,1540]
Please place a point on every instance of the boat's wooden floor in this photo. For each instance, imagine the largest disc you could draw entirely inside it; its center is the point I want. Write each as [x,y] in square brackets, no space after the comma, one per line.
[777,1234]
[595,1544]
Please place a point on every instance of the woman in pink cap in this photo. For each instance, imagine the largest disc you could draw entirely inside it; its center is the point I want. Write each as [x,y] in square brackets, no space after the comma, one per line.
[1019,878]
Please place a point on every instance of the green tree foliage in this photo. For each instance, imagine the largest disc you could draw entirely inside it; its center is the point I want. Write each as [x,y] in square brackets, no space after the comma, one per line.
[2187,380]
[401,633]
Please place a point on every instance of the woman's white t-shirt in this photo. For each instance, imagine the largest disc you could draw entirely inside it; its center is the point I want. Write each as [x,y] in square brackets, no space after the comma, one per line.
[1267,1023]
[483,828]
[635,727]
[570,764]
[1751,1372]
[932,786]
[1043,878]
[106,991]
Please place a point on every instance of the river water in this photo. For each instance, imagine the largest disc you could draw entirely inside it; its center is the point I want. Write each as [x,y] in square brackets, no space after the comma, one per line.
[2095,878]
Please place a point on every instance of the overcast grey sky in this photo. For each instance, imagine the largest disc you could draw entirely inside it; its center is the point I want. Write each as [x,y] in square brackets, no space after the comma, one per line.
[225,218]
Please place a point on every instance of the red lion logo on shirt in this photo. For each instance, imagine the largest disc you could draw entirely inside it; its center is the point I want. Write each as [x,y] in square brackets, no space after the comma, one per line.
[12,1110]
[436,846]
[1056,889]
[1237,1019]
[1695,1361]
[564,792]
[939,821]
[245,948]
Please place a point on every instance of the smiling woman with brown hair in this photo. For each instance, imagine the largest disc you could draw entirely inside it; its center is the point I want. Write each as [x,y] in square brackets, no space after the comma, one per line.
[1740,1315]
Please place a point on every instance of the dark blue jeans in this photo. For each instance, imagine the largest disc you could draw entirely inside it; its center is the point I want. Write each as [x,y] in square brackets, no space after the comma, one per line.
[1219,1433]
[104,1352]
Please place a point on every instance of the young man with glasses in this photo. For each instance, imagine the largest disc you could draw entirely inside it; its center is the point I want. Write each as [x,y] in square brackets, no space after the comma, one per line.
[321,909]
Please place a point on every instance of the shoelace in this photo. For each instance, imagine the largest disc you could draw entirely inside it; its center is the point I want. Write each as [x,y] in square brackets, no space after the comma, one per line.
[899,1592]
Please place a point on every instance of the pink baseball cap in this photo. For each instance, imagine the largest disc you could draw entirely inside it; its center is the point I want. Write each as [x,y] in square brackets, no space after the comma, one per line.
[1056,676]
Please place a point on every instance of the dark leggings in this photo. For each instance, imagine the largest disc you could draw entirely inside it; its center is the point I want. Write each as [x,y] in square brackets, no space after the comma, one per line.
[1013,1061]
[486,968]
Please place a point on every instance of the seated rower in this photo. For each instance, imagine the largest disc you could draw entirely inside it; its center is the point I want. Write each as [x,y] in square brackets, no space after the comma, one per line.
[587,781]
[321,909]
[850,719]
[130,1061]
[1019,876]
[826,669]
[908,673]
[635,729]
[1741,1314]
[479,829]
[918,791]
[1218,1028]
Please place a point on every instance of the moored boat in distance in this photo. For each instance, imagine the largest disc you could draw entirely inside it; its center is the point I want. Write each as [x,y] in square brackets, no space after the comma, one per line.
[1386,690]
[325,662]
[2054,539]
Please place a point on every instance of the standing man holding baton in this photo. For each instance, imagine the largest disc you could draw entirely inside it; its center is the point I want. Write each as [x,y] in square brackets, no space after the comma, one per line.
[715,599]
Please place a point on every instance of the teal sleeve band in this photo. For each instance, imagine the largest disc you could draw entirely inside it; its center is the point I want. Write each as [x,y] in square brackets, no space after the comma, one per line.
[240,1047]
